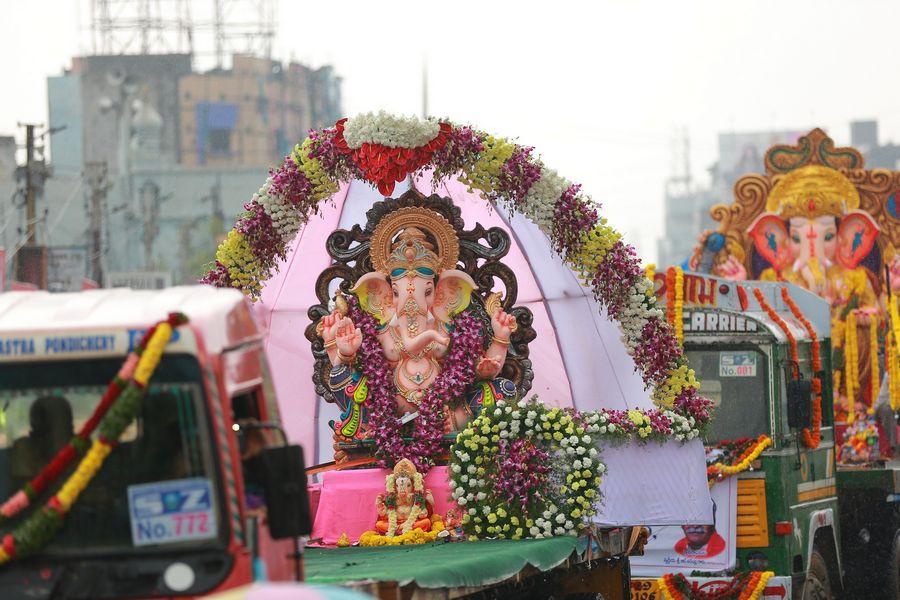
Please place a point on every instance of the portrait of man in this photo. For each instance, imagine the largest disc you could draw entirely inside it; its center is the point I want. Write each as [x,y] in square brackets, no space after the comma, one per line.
[700,541]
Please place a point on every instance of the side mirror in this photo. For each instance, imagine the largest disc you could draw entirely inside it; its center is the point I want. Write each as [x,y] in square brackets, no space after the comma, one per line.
[799,403]
[287,502]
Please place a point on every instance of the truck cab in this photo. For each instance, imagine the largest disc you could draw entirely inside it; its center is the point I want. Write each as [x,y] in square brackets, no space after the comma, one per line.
[124,537]
[787,505]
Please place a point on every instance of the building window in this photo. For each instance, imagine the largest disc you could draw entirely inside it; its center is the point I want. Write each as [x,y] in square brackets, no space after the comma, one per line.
[219,142]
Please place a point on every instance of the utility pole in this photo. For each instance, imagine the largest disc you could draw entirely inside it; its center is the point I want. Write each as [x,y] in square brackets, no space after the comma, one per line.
[30,212]
[31,259]
[95,173]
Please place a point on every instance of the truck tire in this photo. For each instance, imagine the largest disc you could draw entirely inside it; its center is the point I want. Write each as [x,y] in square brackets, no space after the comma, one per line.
[894,573]
[817,585]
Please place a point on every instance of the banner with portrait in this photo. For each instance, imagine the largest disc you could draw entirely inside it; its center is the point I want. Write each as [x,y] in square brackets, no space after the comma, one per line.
[700,547]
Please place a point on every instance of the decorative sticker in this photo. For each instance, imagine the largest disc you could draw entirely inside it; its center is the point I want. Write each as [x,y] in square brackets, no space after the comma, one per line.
[165,512]
[737,364]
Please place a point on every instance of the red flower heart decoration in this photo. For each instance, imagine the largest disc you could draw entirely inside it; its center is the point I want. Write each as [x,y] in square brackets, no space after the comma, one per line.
[384,166]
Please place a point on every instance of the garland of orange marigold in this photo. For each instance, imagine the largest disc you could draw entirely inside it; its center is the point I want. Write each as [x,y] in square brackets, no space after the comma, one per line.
[811,439]
[792,341]
[670,296]
[743,586]
[719,471]
[679,305]
[675,301]
[851,366]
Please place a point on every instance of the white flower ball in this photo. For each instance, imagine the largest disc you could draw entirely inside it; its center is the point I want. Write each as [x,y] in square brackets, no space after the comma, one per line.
[462,501]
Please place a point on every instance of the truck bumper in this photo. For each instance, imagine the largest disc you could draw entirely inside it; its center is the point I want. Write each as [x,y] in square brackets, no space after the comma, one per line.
[777,588]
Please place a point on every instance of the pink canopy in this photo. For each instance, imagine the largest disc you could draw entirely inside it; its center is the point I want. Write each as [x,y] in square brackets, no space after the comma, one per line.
[578,356]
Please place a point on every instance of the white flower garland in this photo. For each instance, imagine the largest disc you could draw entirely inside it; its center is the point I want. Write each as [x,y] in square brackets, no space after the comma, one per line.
[572,487]
[286,219]
[541,199]
[388,130]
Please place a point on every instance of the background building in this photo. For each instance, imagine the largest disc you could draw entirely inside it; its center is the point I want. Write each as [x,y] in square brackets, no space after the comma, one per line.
[151,157]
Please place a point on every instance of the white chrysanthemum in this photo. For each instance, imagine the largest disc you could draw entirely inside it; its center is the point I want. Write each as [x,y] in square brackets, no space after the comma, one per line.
[389,130]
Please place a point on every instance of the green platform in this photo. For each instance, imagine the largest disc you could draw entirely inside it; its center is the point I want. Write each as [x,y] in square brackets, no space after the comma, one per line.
[438,565]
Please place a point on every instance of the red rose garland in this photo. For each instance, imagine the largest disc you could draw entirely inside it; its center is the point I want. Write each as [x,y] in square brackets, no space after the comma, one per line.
[386,166]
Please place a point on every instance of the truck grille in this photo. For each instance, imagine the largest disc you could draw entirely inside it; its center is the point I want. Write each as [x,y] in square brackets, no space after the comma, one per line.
[752,519]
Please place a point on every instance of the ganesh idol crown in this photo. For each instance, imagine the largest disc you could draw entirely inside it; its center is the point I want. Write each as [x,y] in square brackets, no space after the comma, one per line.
[409,346]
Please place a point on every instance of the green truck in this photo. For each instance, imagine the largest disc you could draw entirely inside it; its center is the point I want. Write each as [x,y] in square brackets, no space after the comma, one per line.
[824,530]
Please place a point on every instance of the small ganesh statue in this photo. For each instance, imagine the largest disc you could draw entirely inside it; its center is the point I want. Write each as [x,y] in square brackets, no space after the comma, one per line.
[407,505]
[415,294]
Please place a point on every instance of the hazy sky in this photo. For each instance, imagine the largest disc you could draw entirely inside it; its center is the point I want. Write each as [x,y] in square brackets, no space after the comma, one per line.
[597,88]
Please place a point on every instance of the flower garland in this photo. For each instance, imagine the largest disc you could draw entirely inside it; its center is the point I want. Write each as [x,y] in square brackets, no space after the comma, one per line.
[743,586]
[811,439]
[457,371]
[411,538]
[792,341]
[892,356]
[851,366]
[678,314]
[78,445]
[527,471]
[506,174]
[36,531]
[875,379]
[747,450]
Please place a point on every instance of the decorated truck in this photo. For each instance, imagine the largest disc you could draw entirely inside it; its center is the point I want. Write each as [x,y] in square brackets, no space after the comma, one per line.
[123,433]
[762,351]
[473,361]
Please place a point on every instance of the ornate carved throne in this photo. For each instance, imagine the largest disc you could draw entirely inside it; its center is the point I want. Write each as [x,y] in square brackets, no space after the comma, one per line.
[480,253]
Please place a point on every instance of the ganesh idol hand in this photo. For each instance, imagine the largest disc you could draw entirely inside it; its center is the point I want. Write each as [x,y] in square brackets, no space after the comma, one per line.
[330,324]
[488,367]
[732,269]
[503,323]
[349,338]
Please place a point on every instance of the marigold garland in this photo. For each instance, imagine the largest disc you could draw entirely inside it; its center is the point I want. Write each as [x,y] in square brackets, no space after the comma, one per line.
[36,531]
[414,537]
[743,586]
[679,306]
[851,366]
[875,379]
[811,439]
[751,451]
[792,341]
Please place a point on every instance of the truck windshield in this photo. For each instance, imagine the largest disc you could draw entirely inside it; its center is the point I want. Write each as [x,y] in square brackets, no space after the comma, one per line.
[165,449]
[735,379]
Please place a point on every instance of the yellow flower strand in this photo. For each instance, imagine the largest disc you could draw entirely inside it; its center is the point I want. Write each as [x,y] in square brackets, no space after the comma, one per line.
[851,366]
[894,371]
[679,305]
[875,380]
[243,268]
[592,250]
[485,173]
[322,185]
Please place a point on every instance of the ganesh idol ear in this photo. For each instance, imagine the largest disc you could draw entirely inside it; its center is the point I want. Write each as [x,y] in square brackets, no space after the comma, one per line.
[770,235]
[374,294]
[452,294]
[856,238]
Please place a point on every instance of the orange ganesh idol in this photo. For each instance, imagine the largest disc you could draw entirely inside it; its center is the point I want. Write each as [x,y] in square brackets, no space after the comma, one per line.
[407,505]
